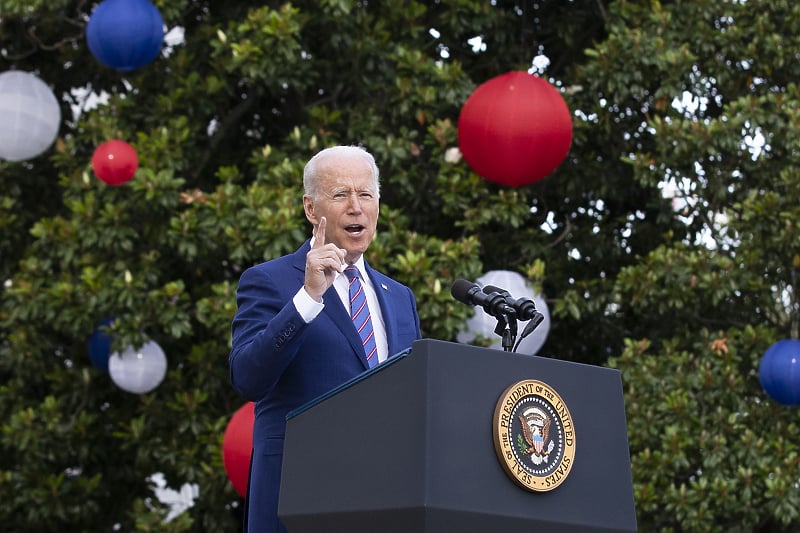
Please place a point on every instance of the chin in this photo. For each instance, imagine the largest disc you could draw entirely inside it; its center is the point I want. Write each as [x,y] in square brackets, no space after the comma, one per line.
[354,253]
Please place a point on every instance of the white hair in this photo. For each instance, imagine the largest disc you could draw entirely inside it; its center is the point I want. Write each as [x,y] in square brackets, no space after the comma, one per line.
[310,170]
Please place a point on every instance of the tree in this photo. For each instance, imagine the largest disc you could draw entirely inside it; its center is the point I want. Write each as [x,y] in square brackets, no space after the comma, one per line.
[223,122]
[710,88]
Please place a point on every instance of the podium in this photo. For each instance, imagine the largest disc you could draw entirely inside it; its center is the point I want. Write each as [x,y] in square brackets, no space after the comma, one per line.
[412,446]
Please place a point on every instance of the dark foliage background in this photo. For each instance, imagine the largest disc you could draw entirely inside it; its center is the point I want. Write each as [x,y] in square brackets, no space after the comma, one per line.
[666,243]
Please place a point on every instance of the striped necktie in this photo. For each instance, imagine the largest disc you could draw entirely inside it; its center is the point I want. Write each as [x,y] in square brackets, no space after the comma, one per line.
[359,313]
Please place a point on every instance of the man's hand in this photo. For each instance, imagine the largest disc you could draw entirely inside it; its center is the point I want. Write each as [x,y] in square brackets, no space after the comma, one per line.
[323,262]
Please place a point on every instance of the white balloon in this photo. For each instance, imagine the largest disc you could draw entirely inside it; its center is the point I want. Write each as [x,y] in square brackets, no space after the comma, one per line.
[483,325]
[29,116]
[138,371]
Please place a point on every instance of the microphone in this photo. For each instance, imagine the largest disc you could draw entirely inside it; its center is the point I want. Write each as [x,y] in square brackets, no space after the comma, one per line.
[470,293]
[525,308]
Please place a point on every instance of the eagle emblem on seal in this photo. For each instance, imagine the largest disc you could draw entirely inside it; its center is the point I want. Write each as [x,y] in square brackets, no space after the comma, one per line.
[536,432]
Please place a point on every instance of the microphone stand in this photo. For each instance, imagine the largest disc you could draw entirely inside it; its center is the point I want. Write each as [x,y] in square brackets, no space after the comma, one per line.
[507,329]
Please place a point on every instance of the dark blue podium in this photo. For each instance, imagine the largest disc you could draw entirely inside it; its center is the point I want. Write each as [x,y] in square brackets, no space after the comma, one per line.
[408,447]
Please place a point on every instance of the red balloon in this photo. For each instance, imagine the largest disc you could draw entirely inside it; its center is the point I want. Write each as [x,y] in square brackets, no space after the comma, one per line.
[115,162]
[515,129]
[237,447]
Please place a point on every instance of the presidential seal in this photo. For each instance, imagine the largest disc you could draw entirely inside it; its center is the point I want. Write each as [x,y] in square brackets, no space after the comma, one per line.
[533,435]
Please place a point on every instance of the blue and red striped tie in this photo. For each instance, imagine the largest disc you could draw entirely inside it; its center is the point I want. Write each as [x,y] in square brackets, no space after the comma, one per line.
[359,312]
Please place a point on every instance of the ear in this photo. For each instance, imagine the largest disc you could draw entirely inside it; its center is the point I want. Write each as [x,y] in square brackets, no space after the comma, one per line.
[308,207]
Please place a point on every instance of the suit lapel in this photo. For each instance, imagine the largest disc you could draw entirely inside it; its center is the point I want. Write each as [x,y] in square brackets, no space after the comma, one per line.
[341,317]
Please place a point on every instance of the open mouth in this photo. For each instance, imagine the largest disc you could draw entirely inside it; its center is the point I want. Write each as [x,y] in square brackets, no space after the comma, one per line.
[354,228]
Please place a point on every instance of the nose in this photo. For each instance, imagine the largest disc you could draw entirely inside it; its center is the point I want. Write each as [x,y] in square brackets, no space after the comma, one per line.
[354,203]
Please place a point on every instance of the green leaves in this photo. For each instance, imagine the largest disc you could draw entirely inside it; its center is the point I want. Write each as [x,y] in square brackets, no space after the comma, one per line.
[262,48]
[667,240]
[703,437]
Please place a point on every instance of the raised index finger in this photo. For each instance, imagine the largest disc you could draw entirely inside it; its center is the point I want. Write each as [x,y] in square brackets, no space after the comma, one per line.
[319,235]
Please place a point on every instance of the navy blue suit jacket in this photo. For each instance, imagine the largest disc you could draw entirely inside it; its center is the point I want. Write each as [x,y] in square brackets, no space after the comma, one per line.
[280,362]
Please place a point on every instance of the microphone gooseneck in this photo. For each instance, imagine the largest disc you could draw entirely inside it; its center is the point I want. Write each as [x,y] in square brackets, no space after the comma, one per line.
[525,309]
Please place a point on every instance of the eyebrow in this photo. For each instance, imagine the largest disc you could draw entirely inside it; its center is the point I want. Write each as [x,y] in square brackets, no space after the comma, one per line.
[350,190]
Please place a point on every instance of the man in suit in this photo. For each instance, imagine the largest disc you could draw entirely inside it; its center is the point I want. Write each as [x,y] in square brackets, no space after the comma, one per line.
[293,336]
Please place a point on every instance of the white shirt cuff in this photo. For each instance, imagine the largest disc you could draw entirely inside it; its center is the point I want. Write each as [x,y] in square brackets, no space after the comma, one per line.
[307,306]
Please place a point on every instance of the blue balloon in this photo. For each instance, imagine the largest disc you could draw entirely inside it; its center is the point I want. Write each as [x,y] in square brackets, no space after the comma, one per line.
[779,372]
[125,34]
[99,345]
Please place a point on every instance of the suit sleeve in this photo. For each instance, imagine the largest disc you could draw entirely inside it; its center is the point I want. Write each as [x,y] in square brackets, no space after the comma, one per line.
[414,313]
[266,334]
[405,327]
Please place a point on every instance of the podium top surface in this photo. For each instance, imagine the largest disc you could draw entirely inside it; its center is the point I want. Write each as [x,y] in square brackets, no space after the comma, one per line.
[349,383]
[400,356]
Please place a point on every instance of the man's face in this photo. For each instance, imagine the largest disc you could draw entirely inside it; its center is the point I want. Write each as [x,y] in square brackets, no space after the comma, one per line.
[346,196]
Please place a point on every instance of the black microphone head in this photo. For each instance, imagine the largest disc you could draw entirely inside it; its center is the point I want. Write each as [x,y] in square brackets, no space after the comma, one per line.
[461,289]
[470,293]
